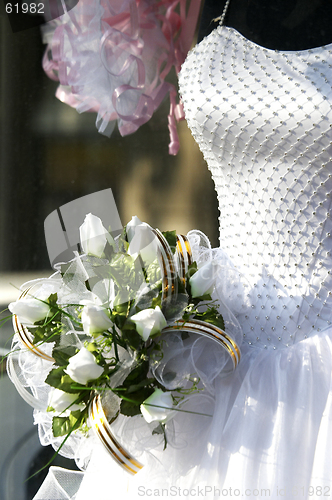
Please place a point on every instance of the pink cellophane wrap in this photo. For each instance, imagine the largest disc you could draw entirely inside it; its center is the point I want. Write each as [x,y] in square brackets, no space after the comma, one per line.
[112,57]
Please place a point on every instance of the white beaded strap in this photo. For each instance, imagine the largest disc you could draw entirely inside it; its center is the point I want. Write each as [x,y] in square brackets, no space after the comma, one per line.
[222,17]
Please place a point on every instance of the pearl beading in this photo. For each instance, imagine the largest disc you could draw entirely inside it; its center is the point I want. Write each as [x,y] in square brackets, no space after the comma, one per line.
[262,119]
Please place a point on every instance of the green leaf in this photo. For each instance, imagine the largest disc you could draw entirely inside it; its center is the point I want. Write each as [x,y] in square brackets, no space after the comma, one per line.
[142,383]
[156,302]
[77,416]
[53,457]
[202,298]
[135,389]
[46,333]
[64,425]
[129,409]
[60,380]
[52,300]
[48,329]
[132,338]
[121,311]
[54,377]
[153,274]
[126,272]
[119,320]
[123,240]
[192,269]
[171,239]
[61,357]
[138,374]
[212,316]
[108,251]
[61,426]
[131,406]
[92,347]
[181,287]
[175,308]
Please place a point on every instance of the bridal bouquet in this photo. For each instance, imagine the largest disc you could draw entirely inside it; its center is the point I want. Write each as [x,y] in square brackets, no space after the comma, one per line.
[101,322]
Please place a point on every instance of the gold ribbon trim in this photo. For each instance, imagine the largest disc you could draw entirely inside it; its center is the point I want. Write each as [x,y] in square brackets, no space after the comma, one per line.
[212,332]
[183,256]
[24,336]
[103,430]
[169,274]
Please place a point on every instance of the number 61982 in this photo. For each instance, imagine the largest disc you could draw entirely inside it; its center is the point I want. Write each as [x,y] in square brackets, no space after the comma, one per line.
[25,8]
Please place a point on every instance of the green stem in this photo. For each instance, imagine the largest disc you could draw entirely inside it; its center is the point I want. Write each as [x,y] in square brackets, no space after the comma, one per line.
[115,342]
[178,409]
[75,426]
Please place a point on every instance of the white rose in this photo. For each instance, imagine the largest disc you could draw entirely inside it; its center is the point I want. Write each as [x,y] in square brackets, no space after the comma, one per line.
[158,407]
[95,319]
[94,236]
[61,401]
[142,241]
[131,226]
[83,367]
[202,282]
[149,322]
[29,310]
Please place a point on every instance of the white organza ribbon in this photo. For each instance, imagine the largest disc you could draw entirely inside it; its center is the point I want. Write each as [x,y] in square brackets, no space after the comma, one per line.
[60,484]
[24,393]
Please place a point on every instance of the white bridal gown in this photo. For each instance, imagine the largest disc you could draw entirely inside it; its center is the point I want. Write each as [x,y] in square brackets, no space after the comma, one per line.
[262,119]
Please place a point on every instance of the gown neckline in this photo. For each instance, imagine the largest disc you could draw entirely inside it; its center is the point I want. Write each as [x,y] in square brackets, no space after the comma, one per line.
[256,46]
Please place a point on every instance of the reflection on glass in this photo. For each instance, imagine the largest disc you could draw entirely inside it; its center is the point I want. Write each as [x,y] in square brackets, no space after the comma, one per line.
[51,155]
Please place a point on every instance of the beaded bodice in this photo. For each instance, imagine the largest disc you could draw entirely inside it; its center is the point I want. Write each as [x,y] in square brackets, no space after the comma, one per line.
[263,121]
